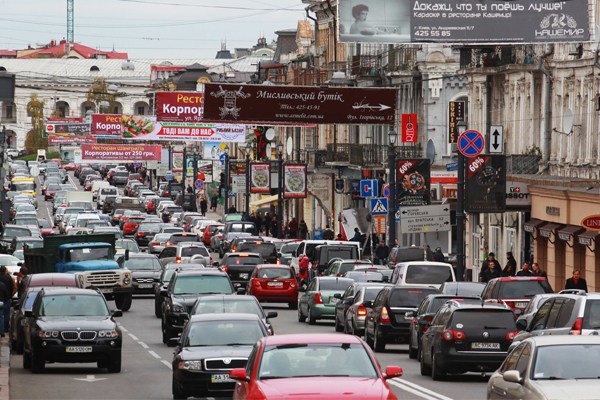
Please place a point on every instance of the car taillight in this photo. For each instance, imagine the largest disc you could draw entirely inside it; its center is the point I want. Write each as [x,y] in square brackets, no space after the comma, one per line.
[155,243]
[511,335]
[318,299]
[224,269]
[169,243]
[576,328]
[178,260]
[449,335]
[233,249]
[384,316]
[141,234]
[361,311]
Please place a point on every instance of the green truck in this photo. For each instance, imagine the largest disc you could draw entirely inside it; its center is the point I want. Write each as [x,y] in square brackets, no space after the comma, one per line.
[91,258]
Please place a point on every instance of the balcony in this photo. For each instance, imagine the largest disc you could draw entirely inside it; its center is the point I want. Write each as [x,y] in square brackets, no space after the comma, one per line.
[366,66]
[499,56]
[522,164]
[363,155]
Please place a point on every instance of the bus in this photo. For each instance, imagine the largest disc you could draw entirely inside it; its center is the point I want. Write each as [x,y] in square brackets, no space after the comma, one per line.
[23,184]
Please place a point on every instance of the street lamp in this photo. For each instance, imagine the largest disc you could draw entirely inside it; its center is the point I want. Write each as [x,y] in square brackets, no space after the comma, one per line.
[280,191]
[392,136]
[460,210]
[248,148]
[226,184]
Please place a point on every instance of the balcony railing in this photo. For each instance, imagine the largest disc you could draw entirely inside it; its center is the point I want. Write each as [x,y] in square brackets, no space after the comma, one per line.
[498,56]
[364,155]
[522,164]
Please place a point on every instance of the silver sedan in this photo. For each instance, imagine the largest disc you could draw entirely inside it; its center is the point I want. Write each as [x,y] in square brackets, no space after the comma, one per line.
[158,243]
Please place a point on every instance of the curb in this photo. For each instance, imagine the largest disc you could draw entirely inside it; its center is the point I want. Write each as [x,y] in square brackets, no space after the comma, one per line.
[4,369]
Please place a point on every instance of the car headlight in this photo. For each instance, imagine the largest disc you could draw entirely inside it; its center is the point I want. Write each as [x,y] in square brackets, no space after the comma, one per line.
[127,278]
[109,334]
[178,308]
[48,334]
[193,365]
[81,279]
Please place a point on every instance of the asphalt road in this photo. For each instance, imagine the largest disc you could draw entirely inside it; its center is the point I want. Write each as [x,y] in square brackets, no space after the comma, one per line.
[146,372]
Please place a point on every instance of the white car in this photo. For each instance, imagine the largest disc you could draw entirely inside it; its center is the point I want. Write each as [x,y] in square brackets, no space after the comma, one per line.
[12,153]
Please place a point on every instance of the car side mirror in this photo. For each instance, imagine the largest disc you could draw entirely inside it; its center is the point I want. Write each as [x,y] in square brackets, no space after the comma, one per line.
[215,264]
[28,314]
[393,371]
[241,290]
[239,374]
[337,296]
[272,314]
[368,304]
[116,313]
[521,324]
[172,342]
[302,288]
[512,376]
[413,313]
[163,293]
[349,300]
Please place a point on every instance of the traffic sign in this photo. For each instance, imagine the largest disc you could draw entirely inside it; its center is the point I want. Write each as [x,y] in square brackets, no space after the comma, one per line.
[471,143]
[169,176]
[398,213]
[380,223]
[368,188]
[199,184]
[386,191]
[137,164]
[222,158]
[434,218]
[496,139]
[379,206]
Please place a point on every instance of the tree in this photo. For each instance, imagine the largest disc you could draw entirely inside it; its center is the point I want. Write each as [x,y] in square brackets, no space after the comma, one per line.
[34,139]
[98,93]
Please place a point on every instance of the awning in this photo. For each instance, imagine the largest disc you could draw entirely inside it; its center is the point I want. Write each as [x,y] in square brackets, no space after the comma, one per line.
[588,238]
[569,231]
[531,225]
[264,200]
[548,229]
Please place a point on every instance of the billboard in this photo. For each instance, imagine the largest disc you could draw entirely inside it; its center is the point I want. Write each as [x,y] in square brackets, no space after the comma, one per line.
[179,106]
[260,177]
[299,104]
[294,182]
[463,21]
[413,182]
[119,153]
[54,140]
[456,113]
[108,125]
[485,189]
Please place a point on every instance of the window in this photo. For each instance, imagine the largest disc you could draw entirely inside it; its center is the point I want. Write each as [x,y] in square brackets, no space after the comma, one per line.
[591,316]
[539,319]
[511,361]
[524,360]
[141,110]
[553,314]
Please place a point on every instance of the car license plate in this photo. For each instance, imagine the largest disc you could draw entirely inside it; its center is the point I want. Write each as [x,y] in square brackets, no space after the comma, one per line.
[220,378]
[485,346]
[243,276]
[105,290]
[521,305]
[275,284]
[79,349]
[145,285]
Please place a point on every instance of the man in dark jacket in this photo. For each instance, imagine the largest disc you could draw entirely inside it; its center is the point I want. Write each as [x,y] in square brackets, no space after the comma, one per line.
[382,252]
[9,284]
[491,272]
[526,270]
[576,282]
[510,268]
[357,236]
[491,257]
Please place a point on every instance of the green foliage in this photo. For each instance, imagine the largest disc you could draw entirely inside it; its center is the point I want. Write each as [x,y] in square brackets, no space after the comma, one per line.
[34,140]
[98,93]
[532,151]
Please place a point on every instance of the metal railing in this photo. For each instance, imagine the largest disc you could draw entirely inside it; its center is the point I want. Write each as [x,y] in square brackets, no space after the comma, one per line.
[363,155]
[498,56]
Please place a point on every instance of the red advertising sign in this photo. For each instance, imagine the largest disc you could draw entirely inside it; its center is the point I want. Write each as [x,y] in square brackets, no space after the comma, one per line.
[64,119]
[107,125]
[179,106]
[76,140]
[260,178]
[294,182]
[120,152]
[409,128]
[591,222]
[299,104]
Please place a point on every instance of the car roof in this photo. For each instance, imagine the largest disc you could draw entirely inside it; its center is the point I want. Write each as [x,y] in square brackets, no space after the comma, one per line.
[141,255]
[518,278]
[481,306]
[70,291]
[201,271]
[333,278]
[243,254]
[51,279]
[227,297]
[266,266]
[550,340]
[310,338]
[174,265]
[224,317]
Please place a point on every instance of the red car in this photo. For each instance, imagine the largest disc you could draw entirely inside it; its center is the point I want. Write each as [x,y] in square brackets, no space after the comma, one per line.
[69,167]
[515,291]
[132,224]
[208,233]
[313,366]
[274,283]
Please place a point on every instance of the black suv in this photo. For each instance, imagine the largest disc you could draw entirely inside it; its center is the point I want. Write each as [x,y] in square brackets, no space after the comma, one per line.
[467,337]
[71,325]
[326,252]
[239,267]
[168,271]
[185,287]
[267,250]
[391,314]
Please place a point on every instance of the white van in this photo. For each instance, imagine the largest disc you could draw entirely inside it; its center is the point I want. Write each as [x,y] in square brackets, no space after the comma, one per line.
[307,247]
[96,185]
[422,273]
[41,155]
[105,191]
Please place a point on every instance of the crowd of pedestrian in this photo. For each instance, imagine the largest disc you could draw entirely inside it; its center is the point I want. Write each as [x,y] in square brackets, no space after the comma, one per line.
[490,268]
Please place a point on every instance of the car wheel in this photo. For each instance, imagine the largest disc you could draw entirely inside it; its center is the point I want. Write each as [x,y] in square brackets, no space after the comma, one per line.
[157,309]
[425,370]
[37,363]
[412,352]
[338,327]
[123,301]
[114,365]
[293,305]
[178,393]
[165,335]
[26,360]
[367,340]
[437,372]
[311,320]
[301,317]
[378,342]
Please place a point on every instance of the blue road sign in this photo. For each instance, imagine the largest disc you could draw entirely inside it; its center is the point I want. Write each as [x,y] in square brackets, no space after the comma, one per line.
[379,206]
[471,143]
[453,166]
[222,158]
[386,191]
[137,164]
[199,184]
[169,176]
[368,188]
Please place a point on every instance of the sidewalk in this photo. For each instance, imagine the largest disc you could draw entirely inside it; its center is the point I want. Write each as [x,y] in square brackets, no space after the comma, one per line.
[4,368]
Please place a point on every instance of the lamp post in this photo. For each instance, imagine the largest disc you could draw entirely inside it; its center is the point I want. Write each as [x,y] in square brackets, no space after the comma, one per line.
[248,148]
[226,185]
[280,190]
[194,179]
[460,211]
[392,136]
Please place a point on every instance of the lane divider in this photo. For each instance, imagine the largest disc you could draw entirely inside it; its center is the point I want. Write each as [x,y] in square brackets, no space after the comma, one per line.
[146,347]
[417,389]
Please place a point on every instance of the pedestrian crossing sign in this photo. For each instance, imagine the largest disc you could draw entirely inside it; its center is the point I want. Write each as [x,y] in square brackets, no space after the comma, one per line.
[379,206]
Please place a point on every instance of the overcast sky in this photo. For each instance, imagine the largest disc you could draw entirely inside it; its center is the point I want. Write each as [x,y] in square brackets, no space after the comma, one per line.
[149,28]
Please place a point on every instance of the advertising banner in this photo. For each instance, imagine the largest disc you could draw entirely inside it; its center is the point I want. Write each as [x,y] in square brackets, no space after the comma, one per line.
[176,162]
[456,113]
[409,128]
[179,106]
[109,125]
[205,168]
[119,152]
[55,140]
[413,182]
[294,182]
[485,189]
[260,177]
[238,168]
[299,104]
[65,127]
[463,21]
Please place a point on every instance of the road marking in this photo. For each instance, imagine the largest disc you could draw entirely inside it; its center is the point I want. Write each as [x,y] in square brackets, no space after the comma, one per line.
[153,354]
[168,364]
[90,378]
[131,335]
[144,345]
[417,389]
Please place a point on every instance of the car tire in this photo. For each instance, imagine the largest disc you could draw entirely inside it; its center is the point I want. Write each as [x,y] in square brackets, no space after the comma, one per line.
[378,343]
[114,364]
[425,370]
[178,393]
[412,352]
[165,332]
[157,309]
[26,361]
[301,317]
[19,346]
[293,305]
[123,301]
[437,372]
[367,340]
[311,320]
[338,327]
[37,363]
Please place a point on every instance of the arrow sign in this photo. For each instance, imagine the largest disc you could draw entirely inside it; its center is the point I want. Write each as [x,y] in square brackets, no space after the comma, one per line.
[380,107]
[434,218]
[496,139]
[90,378]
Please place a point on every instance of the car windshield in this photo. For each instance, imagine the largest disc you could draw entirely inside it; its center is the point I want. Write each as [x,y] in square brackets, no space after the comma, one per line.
[274,273]
[26,221]
[192,251]
[242,260]
[23,186]
[180,238]
[428,274]
[289,248]
[410,298]
[73,305]
[93,253]
[143,264]
[521,289]
[567,361]
[10,232]
[591,315]
[202,284]
[149,227]
[264,249]
[334,284]
[223,333]
[128,245]
[44,223]
[306,360]
[364,276]
[228,306]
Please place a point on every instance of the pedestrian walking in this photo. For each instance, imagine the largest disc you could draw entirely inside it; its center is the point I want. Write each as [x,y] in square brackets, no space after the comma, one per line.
[382,251]
[510,269]
[302,230]
[491,257]
[293,228]
[203,206]
[5,299]
[213,203]
[575,282]
[491,272]
[438,255]
[10,285]
[537,271]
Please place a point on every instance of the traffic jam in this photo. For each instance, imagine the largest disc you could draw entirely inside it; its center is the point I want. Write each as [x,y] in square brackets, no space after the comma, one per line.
[90,245]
